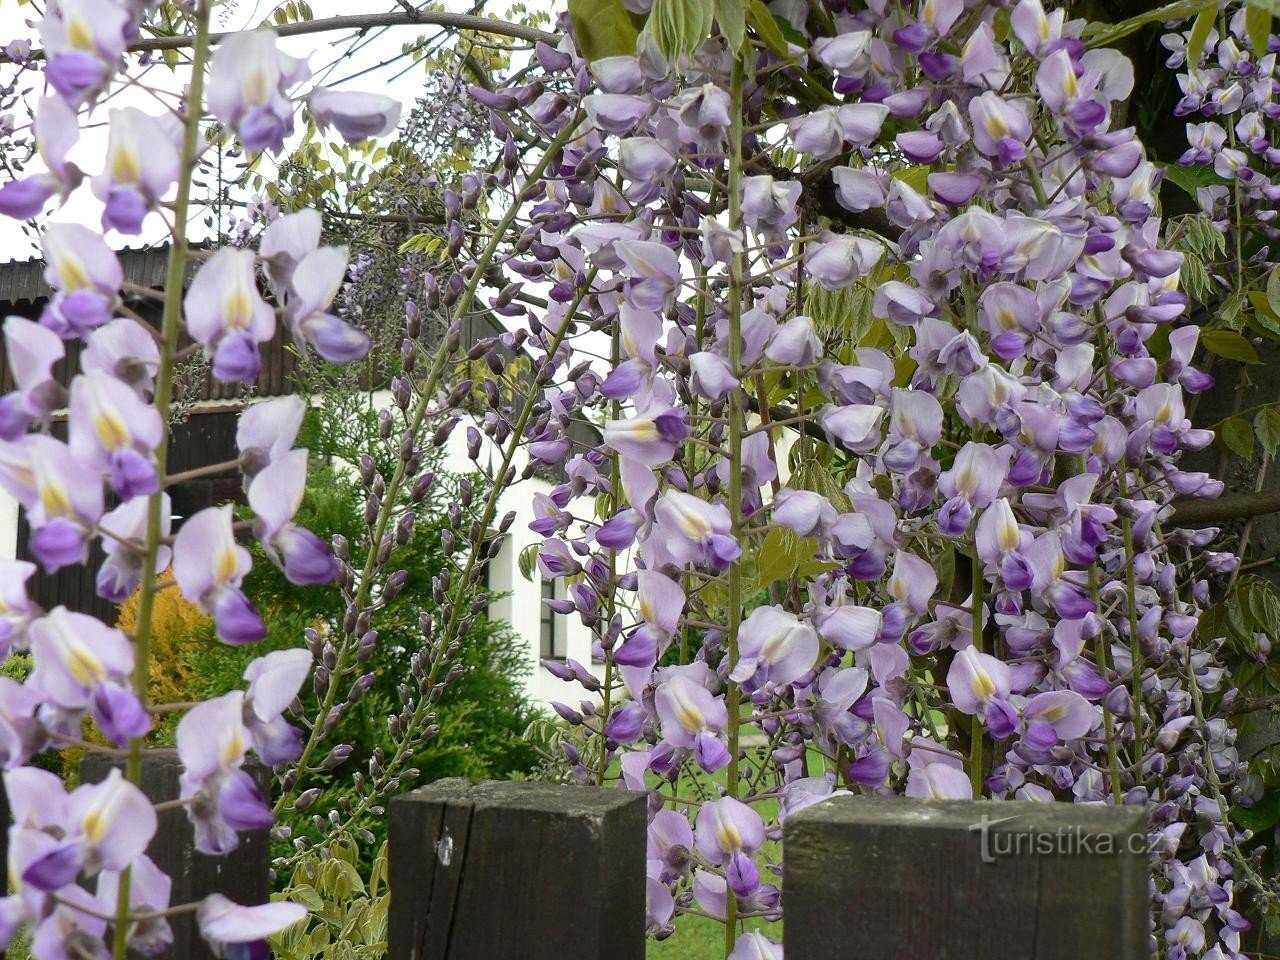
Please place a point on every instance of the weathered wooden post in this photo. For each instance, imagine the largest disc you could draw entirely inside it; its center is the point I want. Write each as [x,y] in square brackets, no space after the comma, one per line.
[243,875]
[964,880]
[483,869]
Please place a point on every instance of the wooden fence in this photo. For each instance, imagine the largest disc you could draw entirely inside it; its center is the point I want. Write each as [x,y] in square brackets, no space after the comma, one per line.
[483,871]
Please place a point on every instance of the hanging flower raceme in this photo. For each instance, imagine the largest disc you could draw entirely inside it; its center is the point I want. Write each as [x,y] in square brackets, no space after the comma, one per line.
[893,427]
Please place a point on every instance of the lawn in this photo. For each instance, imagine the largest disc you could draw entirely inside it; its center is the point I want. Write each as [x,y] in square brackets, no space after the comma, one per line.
[697,938]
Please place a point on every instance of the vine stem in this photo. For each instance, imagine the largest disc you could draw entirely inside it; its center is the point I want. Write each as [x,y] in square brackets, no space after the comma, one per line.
[425,395]
[358,21]
[736,293]
[170,327]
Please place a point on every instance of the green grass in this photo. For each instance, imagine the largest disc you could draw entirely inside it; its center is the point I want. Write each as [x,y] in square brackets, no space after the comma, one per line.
[697,938]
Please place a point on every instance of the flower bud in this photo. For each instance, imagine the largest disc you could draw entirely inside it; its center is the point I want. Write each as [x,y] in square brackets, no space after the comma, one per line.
[336,757]
[395,583]
[358,689]
[306,799]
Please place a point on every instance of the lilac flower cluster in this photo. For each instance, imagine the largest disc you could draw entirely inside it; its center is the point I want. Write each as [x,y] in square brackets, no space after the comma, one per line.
[933,557]
[81,881]
[1228,100]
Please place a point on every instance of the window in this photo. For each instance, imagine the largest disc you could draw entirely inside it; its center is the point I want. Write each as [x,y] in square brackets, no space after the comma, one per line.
[552,639]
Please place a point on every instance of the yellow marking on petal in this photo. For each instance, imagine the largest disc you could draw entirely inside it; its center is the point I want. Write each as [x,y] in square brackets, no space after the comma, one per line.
[728,837]
[693,526]
[1008,535]
[1006,319]
[647,613]
[996,126]
[72,275]
[79,34]
[94,827]
[55,500]
[690,718]
[111,430]
[1053,714]
[1059,565]
[983,686]
[83,665]
[124,165]
[228,566]
[233,749]
[256,87]
[237,309]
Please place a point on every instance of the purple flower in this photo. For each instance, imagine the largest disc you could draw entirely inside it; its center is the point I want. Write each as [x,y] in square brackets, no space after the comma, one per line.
[275,494]
[82,666]
[83,41]
[838,261]
[105,825]
[222,799]
[86,276]
[266,431]
[114,432]
[126,527]
[936,773]
[691,530]
[209,566]
[141,165]
[249,80]
[225,313]
[650,439]
[32,350]
[356,116]
[274,681]
[44,476]
[774,649]
[149,893]
[224,923]
[692,719]
[56,131]
[1000,128]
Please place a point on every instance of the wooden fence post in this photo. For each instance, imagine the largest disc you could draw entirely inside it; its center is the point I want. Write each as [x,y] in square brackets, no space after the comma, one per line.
[964,880]
[243,875]
[483,869]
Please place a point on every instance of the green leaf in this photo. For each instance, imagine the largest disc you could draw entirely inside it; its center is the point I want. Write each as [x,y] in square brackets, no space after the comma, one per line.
[1105,34]
[731,18]
[915,177]
[1200,33]
[767,28]
[784,555]
[603,28]
[1257,24]
[776,560]
[1229,345]
[1266,426]
[1237,436]
[1190,179]
[527,561]
[1194,277]
[1262,815]
[678,27]
[1273,290]
[1271,6]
